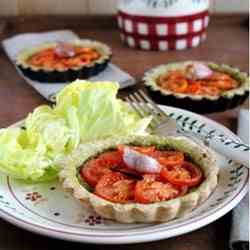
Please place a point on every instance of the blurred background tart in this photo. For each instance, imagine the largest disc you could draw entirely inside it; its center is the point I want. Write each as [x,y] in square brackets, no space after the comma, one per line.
[64,61]
[197,86]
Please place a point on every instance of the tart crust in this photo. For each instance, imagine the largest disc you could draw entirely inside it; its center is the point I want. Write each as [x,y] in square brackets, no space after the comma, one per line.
[198,103]
[43,74]
[135,212]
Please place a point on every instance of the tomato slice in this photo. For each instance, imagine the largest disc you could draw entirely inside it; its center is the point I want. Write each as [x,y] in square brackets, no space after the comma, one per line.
[111,158]
[144,150]
[170,76]
[115,187]
[168,157]
[224,84]
[186,174]
[151,190]
[179,86]
[219,76]
[94,169]
[193,87]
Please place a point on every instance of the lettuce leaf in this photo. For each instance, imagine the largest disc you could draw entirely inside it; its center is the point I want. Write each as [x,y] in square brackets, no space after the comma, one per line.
[19,160]
[99,112]
[45,127]
[84,111]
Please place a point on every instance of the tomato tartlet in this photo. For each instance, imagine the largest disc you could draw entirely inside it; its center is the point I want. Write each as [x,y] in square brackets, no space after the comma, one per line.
[64,61]
[198,86]
[140,178]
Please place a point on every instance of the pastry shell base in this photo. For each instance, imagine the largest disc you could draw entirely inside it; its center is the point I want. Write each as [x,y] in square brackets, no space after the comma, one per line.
[135,212]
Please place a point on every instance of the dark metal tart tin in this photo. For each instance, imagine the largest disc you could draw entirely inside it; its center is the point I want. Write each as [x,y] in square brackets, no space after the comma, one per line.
[64,76]
[229,100]
[55,76]
[199,106]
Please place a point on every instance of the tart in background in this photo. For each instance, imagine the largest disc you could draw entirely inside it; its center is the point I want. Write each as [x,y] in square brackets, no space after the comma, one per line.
[64,61]
[197,86]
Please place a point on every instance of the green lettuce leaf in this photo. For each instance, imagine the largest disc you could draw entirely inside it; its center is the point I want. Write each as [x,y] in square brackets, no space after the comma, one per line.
[19,160]
[83,112]
[44,127]
[99,112]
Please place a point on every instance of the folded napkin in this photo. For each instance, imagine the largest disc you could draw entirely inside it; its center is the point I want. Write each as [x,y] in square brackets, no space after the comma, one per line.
[239,238]
[15,44]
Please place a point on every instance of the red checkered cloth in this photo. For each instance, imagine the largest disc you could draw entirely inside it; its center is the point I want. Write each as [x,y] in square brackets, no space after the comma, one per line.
[163,33]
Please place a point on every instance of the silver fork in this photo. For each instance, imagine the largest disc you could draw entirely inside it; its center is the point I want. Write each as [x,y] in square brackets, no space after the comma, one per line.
[163,125]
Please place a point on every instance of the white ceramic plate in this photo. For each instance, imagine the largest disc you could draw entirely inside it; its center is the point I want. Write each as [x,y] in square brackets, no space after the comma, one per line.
[46,209]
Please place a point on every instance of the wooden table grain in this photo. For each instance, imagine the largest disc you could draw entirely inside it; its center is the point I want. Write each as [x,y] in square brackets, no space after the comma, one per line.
[227,42]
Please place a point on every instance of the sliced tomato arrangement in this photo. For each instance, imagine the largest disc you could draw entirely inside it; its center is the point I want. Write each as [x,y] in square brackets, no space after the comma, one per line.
[168,157]
[49,57]
[115,187]
[151,190]
[194,87]
[96,168]
[114,181]
[186,174]
[178,81]
[93,171]
[112,158]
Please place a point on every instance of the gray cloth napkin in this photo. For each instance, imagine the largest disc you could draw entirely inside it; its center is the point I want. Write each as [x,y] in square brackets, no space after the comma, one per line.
[15,44]
[239,238]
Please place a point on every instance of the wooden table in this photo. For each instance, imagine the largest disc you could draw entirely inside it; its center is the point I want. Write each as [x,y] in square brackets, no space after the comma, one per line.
[227,43]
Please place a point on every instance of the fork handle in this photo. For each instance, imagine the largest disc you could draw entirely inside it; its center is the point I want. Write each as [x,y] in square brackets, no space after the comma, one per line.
[236,151]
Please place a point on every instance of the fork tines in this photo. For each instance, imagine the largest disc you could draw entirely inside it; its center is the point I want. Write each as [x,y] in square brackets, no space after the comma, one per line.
[144,107]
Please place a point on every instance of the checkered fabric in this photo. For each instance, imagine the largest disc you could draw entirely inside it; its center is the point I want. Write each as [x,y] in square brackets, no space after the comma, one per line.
[163,33]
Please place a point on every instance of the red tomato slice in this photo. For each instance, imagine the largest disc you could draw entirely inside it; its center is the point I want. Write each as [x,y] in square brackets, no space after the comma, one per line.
[179,85]
[168,157]
[151,190]
[218,76]
[94,169]
[115,187]
[225,84]
[144,150]
[112,158]
[186,174]
[193,87]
